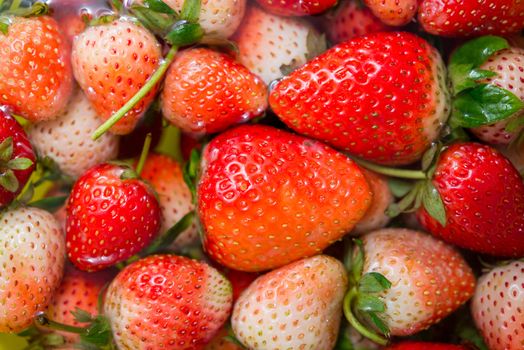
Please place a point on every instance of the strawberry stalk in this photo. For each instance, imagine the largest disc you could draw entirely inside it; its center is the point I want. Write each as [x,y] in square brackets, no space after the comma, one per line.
[393,172]
[143,154]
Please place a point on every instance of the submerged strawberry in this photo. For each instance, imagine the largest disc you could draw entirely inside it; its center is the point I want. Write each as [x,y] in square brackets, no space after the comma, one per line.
[297,7]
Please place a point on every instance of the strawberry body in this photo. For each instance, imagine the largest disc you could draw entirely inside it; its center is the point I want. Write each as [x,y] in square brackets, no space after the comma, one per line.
[219,343]
[32,259]
[516,155]
[67,139]
[267,197]
[497,307]
[35,76]
[471,18]
[269,44]
[297,306]
[111,63]
[425,346]
[382,97]
[109,218]
[21,148]
[297,7]
[165,176]
[167,302]
[393,12]
[483,196]
[429,278]
[207,91]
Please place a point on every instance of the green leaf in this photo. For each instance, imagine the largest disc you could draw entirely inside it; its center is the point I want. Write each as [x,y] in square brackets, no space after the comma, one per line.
[50,204]
[484,105]
[430,156]
[399,187]
[6,149]
[98,333]
[407,203]
[190,172]
[160,7]
[379,323]
[82,316]
[369,303]
[373,282]
[191,10]
[465,60]
[433,203]
[184,33]
[20,164]
[357,261]
[172,234]
[9,181]
[5,22]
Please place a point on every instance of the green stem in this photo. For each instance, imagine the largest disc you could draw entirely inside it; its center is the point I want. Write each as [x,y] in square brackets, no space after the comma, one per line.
[43,321]
[393,172]
[162,68]
[143,155]
[15,5]
[348,301]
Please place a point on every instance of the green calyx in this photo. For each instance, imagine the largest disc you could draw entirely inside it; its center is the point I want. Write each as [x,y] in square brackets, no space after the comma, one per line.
[19,8]
[363,305]
[191,172]
[8,166]
[477,103]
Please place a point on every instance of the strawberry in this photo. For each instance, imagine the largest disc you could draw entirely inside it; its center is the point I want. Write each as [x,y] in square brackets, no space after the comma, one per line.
[111,63]
[111,215]
[516,155]
[497,307]
[382,97]
[467,18]
[188,143]
[404,281]
[267,197]
[17,159]
[483,199]
[297,7]
[78,290]
[165,176]
[297,306]
[32,259]
[375,217]
[67,140]
[206,92]
[240,281]
[35,76]
[220,343]
[426,346]
[271,46]
[350,20]
[393,12]
[167,302]
[218,18]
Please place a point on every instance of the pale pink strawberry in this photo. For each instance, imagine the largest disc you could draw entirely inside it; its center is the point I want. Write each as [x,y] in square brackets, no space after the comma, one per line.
[111,62]
[375,217]
[67,139]
[509,66]
[32,257]
[174,197]
[498,307]
[393,12]
[350,20]
[297,306]
[270,46]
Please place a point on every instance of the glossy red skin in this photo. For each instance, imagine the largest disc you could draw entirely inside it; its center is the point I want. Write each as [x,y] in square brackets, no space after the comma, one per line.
[362,96]
[459,18]
[240,281]
[9,127]
[109,219]
[297,7]
[484,199]
[426,346]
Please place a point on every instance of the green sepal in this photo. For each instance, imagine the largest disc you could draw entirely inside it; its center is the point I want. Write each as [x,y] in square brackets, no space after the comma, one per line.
[430,156]
[160,7]
[81,316]
[171,234]
[465,61]
[191,10]
[316,44]
[152,20]
[9,181]
[117,5]
[373,282]
[357,261]
[98,333]
[6,149]
[483,105]
[379,323]
[515,123]
[190,172]
[369,303]
[408,203]
[50,204]
[20,163]
[5,22]
[36,9]
[184,33]
[230,337]
[399,188]
[433,203]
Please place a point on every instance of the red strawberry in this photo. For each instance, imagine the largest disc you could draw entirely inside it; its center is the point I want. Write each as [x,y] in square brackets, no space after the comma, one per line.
[271,46]
[471,18]
[483,196]
[78,290]
[350,20]
[110,217]
[267,197]
[393,12]
[35,75]
[382,97]
[167,302]
[297,7]
[406,281]
[498,307]
[188,143]
[174,197]
[375,217]
[240,281]
[206,92]
[32,259]
[17,159]
[297,306]
[111,63]
[426,346]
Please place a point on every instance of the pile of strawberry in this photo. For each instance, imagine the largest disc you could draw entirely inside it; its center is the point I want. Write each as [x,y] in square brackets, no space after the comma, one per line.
[265,175]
